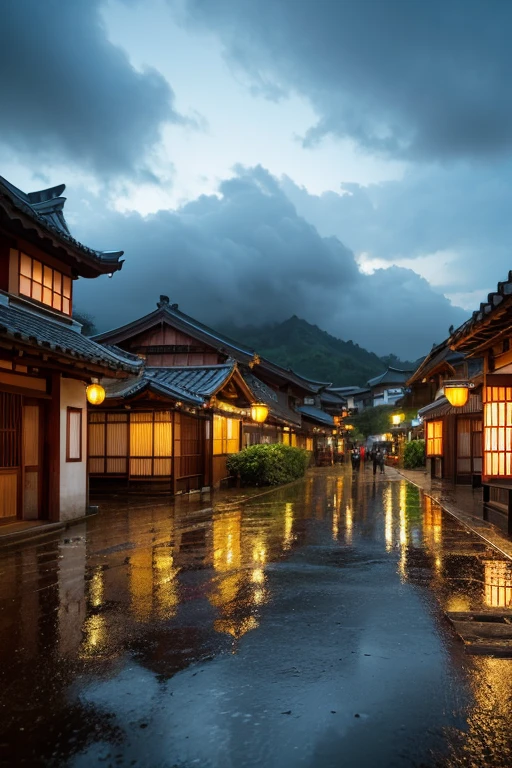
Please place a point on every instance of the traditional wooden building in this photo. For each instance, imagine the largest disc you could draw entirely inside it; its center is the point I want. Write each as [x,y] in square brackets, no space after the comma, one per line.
[45,361]
[487,334]
[202,385]
[388,387]
[453,435]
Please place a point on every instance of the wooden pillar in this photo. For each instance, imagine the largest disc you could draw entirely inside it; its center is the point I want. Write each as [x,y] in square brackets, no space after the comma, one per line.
[52,449]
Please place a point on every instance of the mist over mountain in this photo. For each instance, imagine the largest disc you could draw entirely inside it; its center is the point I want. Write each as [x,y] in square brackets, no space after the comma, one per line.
[314,353]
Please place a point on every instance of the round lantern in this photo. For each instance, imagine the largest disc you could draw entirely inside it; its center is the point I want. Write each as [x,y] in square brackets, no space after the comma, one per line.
[457,392]
[259,412]
[95,394]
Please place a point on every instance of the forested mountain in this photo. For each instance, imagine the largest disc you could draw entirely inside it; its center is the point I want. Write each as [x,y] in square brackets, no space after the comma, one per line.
[314,353]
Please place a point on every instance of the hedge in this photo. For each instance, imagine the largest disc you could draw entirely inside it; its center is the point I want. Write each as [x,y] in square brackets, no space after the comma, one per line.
[269,464]
[414,454]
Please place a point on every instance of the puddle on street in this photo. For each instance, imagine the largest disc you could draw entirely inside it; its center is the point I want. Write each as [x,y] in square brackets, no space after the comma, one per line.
[120,638]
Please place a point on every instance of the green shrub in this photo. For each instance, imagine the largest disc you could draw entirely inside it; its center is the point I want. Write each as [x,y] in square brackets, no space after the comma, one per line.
[269,464]
[414,454]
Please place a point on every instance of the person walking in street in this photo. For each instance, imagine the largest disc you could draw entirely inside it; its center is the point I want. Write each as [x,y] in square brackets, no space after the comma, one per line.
[377,458]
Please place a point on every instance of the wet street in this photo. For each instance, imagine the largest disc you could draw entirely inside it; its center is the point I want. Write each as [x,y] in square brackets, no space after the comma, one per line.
[305,627]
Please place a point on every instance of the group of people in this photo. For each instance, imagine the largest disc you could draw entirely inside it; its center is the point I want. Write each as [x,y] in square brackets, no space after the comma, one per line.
[361,456]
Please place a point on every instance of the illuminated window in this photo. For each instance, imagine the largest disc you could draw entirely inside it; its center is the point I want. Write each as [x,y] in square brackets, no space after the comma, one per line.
[44,284]
[498,431]
[309,443]
[434,438]
[226,435]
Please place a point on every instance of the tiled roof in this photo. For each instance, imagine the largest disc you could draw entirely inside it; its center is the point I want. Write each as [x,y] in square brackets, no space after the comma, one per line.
[317,415]
[191,384]
[391,376]
[204,380]
[349,391]
[441,353]
[137,384]
[34,329]
[45,210]
[483,325]
[225,345]
[334,398]
[441,407]
[275,401]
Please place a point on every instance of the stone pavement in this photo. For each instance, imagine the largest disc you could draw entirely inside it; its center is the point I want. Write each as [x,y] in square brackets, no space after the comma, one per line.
[464,503]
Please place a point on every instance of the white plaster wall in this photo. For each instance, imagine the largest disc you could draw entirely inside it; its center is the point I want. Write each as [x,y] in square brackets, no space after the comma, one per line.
[73,475]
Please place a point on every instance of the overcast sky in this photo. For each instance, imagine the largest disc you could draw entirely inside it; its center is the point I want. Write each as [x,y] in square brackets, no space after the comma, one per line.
[347,161]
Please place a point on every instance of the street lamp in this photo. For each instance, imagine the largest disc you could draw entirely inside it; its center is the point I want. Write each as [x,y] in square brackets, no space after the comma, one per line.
[456,391]
[95,393]
[259,412]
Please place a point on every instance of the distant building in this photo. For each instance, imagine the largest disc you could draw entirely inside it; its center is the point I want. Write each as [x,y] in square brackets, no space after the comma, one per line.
[45,362]
[388,387]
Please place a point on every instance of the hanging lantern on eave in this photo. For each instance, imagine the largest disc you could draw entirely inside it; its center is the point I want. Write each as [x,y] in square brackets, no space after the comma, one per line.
[457,392]
[396,419]
[95,393]
[259,412]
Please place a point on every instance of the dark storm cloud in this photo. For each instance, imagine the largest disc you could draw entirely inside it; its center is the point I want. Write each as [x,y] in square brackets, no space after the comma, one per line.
[464,211]
[407,79]
[246,256]
[69,94]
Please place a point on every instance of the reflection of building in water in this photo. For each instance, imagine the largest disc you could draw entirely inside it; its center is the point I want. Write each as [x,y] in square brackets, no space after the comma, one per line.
[432,530]
[71,579]
[498,583]
[288,525]
[226,540]
[388,518]
[349,522]
[193,539]
[239,557]
[336,507]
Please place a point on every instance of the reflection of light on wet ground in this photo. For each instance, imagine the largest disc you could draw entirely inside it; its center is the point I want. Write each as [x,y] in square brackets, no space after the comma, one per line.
[458,603]
[388,518]
[288,525]
[135,604]
[226,541]
[141,583]
[96,588]
[236,628]
[166,596]
[95,635]
[259,553]
[349,523]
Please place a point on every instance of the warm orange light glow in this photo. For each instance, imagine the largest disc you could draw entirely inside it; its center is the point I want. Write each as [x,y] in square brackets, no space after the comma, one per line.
[498,431]
[434,438]
[456,396]
[95,394]
[349,426]
[396,419]
[259,412]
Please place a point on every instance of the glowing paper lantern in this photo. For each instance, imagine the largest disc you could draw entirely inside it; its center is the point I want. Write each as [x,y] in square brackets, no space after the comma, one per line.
[95,394]
[259,412]
[457,392]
